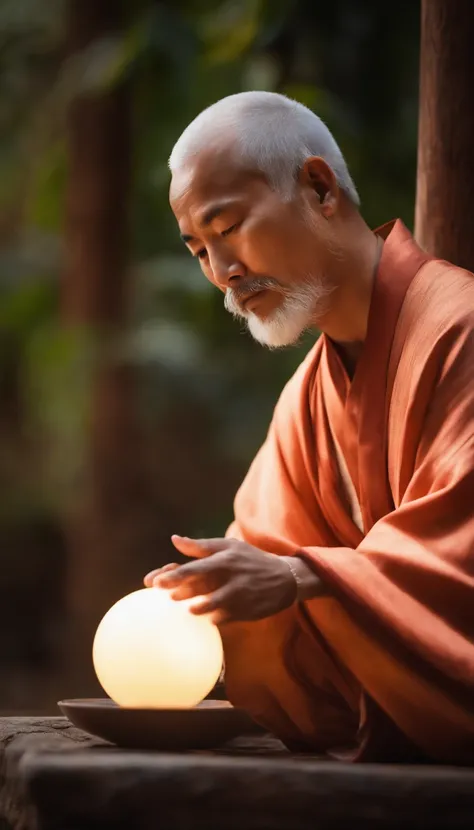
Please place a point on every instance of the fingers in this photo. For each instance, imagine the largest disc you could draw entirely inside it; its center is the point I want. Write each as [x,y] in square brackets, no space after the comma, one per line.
[199,548]
[189,589]
[192,580]
[175,577]
[206,567]
[196,548]
[214,604]
[150,577]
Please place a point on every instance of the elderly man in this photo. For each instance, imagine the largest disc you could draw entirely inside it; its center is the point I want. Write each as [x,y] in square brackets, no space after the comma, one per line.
[345,585]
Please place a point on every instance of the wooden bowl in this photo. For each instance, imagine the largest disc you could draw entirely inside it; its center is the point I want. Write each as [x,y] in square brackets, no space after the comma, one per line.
[208,725]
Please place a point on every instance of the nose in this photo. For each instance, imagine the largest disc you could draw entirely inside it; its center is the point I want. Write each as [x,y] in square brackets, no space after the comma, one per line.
[226,272]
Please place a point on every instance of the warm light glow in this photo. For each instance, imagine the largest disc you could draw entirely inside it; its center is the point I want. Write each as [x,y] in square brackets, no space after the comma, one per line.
[151,652]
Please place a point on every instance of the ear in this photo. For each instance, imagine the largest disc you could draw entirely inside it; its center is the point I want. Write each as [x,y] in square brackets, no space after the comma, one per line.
[319,177]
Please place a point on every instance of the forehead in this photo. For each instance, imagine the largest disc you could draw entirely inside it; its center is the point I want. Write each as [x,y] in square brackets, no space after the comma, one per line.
[210,177]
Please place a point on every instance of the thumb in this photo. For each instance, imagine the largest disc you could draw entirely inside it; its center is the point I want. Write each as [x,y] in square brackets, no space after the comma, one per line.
[199,548]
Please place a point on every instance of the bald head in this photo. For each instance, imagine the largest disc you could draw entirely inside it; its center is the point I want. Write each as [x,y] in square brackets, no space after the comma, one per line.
[265,132]
[264,200]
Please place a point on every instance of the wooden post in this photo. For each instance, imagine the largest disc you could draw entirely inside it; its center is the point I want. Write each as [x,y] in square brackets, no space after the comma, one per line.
[106,526]
[445,182]
[96,226]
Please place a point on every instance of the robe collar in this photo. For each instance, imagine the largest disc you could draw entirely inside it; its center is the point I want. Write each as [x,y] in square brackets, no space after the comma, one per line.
[358,410]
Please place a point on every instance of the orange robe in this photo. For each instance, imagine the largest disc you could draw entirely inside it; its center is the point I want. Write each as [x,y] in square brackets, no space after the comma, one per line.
[382,668]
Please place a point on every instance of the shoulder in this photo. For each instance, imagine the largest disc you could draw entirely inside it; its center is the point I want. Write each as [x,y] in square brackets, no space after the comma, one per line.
[441,298]
[432,398]
[433,351]
[436,322]
[434,337]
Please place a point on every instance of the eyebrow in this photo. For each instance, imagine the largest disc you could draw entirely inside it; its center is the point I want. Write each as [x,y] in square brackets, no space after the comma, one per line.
[208,218]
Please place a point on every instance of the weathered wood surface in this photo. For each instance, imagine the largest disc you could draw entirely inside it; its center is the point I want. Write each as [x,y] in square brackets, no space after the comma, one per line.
[74,783]
[18,736]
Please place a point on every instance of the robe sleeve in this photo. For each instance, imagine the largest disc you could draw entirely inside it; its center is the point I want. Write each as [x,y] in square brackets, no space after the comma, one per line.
[402,619]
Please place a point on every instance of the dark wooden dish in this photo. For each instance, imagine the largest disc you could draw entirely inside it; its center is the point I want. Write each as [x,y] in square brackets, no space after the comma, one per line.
[210,724]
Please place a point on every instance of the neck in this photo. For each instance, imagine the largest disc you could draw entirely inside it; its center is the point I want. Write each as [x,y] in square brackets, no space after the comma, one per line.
[353,275]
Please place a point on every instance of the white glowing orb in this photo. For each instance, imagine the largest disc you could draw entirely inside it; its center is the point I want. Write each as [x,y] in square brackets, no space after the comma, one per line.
[151,652]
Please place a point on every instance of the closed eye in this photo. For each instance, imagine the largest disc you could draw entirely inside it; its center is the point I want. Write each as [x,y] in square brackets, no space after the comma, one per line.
[203,253]
[229,230]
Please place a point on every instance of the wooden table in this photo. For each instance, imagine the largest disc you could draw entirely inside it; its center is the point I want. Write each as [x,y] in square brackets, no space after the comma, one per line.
[54,777]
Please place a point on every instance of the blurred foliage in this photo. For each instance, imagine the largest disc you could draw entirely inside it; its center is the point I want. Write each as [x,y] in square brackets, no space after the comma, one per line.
[354,63]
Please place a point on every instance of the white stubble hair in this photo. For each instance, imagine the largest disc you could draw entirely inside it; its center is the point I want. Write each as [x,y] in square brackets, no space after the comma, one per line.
[301,307]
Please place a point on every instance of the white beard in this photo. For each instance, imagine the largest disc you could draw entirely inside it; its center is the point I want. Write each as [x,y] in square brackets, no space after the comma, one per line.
[297,313]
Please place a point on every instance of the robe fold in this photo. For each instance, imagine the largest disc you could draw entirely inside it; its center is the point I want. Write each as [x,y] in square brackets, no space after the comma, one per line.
[371,481]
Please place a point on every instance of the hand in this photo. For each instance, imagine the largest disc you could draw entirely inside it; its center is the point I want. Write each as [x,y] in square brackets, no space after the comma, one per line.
[237,582]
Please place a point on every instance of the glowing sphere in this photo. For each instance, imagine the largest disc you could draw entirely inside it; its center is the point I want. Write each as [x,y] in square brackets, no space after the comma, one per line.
[151,652]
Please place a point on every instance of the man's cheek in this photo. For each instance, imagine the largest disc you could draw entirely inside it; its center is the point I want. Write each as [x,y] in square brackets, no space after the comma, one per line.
[258,253]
